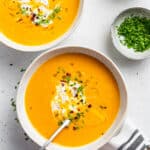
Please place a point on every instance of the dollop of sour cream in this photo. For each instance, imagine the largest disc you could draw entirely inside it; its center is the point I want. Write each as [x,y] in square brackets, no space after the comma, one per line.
[69,100]
[39,11]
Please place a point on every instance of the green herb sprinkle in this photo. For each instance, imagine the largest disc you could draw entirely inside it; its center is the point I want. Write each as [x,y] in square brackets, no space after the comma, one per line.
[135,31]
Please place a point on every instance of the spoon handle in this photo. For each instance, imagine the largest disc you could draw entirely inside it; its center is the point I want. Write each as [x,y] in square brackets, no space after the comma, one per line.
[65,124]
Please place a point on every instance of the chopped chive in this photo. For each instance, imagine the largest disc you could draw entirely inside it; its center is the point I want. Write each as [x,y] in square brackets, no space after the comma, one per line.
[60,123]
[135,31]
[80,89]
[13,104]
[16,119]
[59,18]
[26,136]
[22,70]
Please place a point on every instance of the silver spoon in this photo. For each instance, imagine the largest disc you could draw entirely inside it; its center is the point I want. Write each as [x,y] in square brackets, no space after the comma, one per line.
[65,124]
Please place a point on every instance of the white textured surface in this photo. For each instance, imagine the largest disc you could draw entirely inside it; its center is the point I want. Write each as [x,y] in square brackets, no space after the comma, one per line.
[92,32]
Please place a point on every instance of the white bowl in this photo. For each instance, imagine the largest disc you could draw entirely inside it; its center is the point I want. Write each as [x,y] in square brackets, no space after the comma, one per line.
[10,43]
[20,103]
[124,50]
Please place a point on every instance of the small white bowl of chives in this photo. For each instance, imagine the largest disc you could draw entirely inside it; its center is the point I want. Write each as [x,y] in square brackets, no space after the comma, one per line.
[130,33]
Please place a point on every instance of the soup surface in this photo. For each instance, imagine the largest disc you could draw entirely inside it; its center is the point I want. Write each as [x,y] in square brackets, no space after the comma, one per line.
[75,87]
[36,22]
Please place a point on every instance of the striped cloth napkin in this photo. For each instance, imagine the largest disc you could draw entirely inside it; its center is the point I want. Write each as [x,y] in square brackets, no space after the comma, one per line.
[130,138]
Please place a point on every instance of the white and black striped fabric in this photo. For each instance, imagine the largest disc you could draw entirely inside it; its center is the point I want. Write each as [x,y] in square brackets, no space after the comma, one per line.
[130,138]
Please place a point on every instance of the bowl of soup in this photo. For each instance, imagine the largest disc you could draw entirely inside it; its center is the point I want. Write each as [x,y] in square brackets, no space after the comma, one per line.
[75,83]
[35,25]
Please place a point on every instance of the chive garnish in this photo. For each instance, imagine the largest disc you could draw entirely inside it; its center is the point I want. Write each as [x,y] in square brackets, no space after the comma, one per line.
[22,69]
[135,31]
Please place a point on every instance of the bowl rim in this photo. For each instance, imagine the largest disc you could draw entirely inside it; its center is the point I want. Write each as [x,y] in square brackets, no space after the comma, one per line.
[37,48]
[120,49]
[115,127]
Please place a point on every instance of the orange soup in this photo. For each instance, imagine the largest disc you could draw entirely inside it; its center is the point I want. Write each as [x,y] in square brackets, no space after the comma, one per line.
[75,87]
[36,22]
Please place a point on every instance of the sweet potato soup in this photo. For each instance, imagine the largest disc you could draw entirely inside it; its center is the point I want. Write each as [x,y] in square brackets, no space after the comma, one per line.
[36,22]
[75,87]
